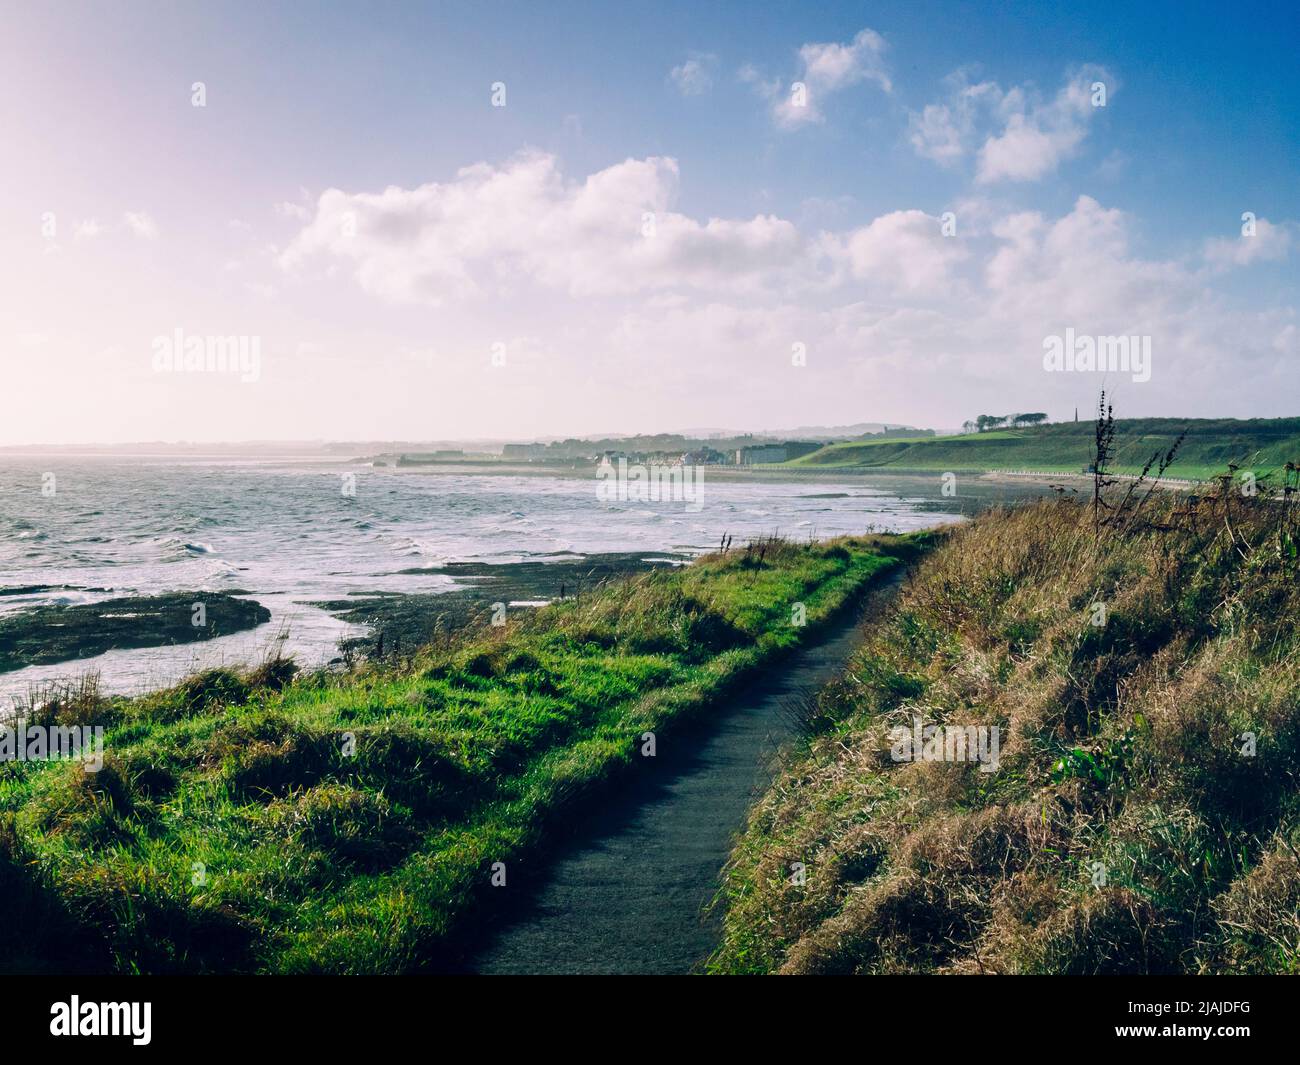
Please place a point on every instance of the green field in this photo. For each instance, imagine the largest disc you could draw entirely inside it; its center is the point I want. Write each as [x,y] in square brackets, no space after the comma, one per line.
[1264,445]
[324,823]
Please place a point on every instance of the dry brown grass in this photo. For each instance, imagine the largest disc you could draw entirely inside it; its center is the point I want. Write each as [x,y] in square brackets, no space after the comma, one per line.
[1125,829]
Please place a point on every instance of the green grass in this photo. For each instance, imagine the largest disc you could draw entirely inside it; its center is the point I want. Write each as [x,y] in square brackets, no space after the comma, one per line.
[1143,817]
[350,824]
[1264,445]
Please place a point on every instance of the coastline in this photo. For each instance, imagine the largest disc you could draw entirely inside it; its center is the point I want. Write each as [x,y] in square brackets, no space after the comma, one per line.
[328,621]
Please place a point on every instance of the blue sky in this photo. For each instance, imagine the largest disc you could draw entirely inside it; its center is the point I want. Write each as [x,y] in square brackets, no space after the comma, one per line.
[1122,218]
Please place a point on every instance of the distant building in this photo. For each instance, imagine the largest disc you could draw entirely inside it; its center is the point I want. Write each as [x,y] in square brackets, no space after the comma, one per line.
[425,458]
[527,452]
[705,456]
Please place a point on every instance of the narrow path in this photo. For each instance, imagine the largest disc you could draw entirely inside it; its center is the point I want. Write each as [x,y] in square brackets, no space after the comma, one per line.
[628,893]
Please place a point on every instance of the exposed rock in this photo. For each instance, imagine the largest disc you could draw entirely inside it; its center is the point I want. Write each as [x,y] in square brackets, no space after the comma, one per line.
[62,633]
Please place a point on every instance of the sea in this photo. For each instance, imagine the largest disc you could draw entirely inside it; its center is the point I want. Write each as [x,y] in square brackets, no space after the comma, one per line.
[293,532]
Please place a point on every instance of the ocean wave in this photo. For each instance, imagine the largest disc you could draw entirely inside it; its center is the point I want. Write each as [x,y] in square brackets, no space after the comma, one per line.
[141,531]
[165,548]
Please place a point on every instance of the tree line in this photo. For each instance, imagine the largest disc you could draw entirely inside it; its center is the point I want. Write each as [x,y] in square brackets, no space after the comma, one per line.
[985,422]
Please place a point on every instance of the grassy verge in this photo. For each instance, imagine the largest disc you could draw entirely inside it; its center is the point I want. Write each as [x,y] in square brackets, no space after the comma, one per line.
[1142,817]
[1262,445]
[351,824]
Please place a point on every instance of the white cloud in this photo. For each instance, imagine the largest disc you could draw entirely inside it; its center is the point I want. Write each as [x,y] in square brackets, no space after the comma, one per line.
[493,227]
[833,66]
[1268,243]
[1078,271]
[1024,151]
[974,316]
[694,77]
[87,229]
[936,134]
[906,252]
[705,301]
[141,224]
[1038,136]
[1024,137]
[942,131]
[825,69]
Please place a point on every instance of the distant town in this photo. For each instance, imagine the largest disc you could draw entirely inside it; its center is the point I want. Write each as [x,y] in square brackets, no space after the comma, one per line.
[664,449]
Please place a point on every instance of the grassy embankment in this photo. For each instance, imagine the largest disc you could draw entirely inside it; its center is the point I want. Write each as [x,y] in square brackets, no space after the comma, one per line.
[1262,445]
[349,824]
[1129,826]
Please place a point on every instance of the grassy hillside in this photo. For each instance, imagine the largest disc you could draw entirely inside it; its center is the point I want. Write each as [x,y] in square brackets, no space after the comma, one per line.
[1143,813]
[350,824]
[1261,444]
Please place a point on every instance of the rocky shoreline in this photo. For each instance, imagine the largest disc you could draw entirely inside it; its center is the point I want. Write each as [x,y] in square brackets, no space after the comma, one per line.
[400,620]
[51,634]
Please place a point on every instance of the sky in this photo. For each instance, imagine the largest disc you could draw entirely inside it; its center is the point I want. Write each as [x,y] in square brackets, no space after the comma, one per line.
[501,220]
